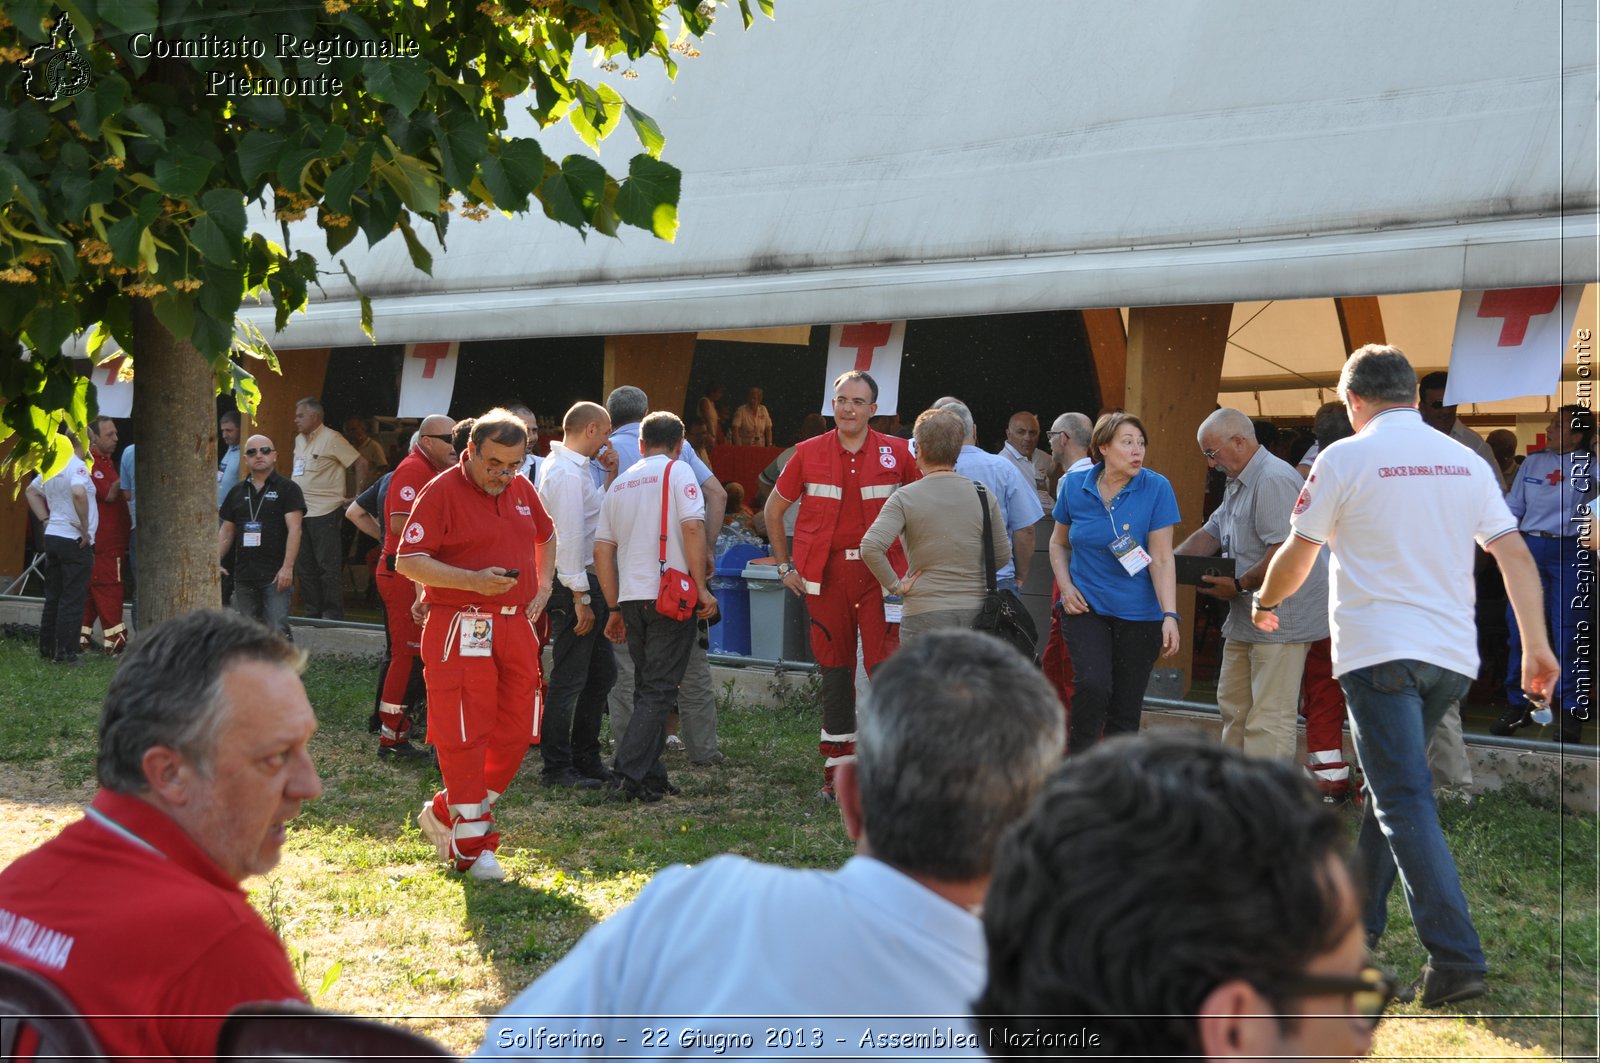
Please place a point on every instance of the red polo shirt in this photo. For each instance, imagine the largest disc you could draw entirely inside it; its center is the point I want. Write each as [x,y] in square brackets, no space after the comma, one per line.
[409,478]
[138,926]
[457,522]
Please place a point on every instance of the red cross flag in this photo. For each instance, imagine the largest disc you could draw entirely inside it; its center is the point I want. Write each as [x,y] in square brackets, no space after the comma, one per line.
[874,347]
[428,378]
[113,385]
[1511,343]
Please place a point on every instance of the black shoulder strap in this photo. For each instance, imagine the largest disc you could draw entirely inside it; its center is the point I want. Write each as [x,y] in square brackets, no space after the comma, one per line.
[988,538]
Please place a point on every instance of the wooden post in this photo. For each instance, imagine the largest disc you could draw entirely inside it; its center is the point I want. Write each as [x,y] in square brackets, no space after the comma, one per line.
[1174,372]
[1360,321]
[657,363]
[1108,346]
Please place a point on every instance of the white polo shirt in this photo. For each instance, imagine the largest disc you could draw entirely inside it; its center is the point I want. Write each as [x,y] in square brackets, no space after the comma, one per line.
[630,517]
[57,495]
[1399,506]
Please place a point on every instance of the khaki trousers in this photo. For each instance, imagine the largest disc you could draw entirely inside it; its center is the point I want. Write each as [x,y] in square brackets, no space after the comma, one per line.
[1258,693]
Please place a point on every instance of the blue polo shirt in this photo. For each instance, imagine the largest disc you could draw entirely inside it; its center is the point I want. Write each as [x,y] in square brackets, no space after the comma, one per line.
[626,439]
[1146,504]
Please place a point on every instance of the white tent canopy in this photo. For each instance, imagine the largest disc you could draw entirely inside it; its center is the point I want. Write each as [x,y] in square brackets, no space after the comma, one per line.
[860,161]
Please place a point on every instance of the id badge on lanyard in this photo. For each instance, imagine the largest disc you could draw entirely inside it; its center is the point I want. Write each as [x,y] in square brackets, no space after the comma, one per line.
[1125,548]
[252,534]
[477,634]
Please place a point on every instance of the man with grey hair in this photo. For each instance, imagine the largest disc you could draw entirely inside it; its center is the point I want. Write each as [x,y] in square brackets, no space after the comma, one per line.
[956,738]
[135,912]
[1069,445]
[1258,689]
[1018,503]
[1399,506]
[697,697]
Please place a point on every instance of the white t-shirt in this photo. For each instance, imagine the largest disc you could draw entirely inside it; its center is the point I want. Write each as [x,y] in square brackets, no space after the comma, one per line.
[57,495]
[630,517]
[1399,506]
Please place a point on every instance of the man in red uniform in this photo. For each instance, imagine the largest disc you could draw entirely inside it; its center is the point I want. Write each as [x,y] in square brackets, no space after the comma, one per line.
[135,912]
[480,543]
[845,476]
[111,542]
[432,455]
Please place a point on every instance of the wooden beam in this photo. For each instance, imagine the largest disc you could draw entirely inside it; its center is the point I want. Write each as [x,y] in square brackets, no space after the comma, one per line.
[1108,346]
[1174,372]
[659,363]
[1360,321]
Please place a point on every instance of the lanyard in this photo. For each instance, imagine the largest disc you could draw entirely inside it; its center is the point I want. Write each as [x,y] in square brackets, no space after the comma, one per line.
[255,509]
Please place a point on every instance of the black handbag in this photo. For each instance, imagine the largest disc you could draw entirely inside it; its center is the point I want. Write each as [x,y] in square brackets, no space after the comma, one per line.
[1002,613]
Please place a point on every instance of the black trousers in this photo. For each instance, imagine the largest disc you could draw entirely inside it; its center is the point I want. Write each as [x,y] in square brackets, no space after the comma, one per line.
[67,568]
[318,566]
[582,671]
[660,651]
[1111,662]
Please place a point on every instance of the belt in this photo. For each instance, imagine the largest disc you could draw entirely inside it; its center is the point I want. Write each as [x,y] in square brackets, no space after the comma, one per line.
[1548,535]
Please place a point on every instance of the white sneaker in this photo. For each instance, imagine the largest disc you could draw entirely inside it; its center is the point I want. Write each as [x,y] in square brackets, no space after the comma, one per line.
[674,742]
[436,832]
[486,868]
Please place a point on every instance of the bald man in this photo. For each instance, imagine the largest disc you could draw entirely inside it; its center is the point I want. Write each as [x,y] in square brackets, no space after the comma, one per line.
[259,537]
[1022,450]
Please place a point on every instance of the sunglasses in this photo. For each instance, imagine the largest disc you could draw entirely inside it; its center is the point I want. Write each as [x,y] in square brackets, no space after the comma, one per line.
[253,451]
[1370,992]
[442,438]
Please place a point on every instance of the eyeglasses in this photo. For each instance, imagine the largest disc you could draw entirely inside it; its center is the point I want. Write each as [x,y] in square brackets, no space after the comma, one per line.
[1211,455]
[445,438]
[1436,404]
[1370,992]
[839,400]
[253,451]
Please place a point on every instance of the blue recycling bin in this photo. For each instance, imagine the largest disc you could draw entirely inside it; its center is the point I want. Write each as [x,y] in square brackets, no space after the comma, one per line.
[732,634]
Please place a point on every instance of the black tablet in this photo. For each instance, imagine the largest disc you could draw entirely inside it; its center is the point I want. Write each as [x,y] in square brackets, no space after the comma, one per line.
[1191,568]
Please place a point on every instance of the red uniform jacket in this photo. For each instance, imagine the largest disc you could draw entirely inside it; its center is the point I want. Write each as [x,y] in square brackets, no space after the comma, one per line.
[112,537]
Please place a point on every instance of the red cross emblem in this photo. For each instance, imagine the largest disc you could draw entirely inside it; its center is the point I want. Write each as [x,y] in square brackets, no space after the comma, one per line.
[1554,478]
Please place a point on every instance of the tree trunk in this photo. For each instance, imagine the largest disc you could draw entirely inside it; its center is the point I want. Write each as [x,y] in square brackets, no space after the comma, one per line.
[175,430]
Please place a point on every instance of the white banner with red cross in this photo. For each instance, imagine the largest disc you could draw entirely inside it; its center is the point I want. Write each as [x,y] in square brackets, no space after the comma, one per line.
[113,386]
[428,378]
[1510,342]
[874,347]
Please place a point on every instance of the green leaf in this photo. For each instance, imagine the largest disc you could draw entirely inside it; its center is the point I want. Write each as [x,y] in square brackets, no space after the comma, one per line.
[515,174]
[420,257]
[222,290]
[586,179]
[245,389]
[181,174]
[219,231]
[123,237]
[462,143]
[176,311]
[49,326]
[645,127]
[397,82]
[599,111]
[132,16]
[338,236]
[258,151]
[649,197]
[211,337]
[226,207]
[412,181]
[343,182]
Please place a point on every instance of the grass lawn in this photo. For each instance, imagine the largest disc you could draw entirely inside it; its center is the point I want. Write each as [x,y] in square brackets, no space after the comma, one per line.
[376,926]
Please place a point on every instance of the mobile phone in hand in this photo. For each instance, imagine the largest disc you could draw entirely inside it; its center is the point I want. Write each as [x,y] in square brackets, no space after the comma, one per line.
[512,573]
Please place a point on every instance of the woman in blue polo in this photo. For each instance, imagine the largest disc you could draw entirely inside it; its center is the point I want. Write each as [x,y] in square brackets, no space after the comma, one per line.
[1119,593]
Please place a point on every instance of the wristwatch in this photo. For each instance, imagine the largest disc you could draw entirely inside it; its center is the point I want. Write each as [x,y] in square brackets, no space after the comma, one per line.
[784,568]
[584,598]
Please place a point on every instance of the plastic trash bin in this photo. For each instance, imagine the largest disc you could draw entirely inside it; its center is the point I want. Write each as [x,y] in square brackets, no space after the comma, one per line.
[779,627]
[732,634]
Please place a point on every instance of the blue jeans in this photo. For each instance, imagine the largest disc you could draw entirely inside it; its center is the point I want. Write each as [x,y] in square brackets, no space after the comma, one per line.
[1394,707]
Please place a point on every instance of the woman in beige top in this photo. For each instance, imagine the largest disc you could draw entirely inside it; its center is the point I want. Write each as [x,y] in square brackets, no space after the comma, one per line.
[939,520]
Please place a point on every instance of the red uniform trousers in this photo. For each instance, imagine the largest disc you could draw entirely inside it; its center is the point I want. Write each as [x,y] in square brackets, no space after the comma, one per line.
[850,604]
[405,644]
[1056,662]
[1322,704]
[105,598]
[480,712]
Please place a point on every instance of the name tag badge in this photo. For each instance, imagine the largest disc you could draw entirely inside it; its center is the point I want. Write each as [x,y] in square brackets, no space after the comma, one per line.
[299,468]
[252,534]
[1129,554]
[477,635]
[219,474]
[894,610]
